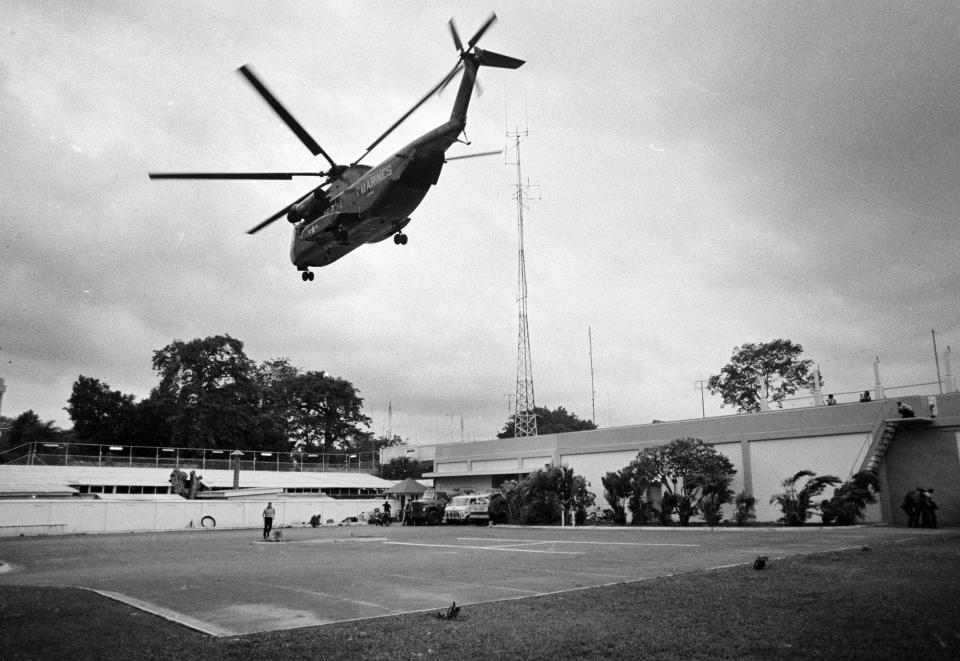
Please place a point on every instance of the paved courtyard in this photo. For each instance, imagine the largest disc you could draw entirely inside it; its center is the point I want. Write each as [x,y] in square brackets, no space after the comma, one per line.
[226,582]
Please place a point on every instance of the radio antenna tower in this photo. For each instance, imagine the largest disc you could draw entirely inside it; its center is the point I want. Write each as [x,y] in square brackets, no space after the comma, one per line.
[524,420]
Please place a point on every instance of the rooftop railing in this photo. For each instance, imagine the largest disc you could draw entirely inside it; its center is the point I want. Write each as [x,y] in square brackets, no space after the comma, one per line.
[87,454]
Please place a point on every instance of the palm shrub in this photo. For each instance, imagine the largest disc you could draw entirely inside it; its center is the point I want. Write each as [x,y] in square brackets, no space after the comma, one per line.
[851,498]
[616,490]
[795,504]
[715,493]
[642,509]
[743,508]
[668,502]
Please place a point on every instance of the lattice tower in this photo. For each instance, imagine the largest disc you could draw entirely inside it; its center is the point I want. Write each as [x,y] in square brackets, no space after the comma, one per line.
[525,420]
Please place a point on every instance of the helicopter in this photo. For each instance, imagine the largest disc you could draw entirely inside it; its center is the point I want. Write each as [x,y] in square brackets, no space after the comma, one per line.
[359,204]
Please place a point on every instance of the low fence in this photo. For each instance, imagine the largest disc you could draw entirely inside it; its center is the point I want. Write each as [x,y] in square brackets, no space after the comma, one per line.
[75,515]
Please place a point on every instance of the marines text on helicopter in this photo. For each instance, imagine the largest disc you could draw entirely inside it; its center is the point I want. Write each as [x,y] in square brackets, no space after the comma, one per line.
[358,204]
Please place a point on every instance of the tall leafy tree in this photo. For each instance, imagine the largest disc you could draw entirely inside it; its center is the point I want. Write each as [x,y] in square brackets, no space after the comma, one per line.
[208,388]
[767,371]
[101,415]
[326,413]
[550,422]
[28,428]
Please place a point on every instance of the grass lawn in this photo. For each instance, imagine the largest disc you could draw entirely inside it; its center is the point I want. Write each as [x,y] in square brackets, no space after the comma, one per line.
[892,601]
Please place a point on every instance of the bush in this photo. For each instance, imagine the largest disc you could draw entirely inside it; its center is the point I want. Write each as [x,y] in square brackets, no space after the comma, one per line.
[796,505]
[668,502]
[851,499]
[743,508]
[643,510]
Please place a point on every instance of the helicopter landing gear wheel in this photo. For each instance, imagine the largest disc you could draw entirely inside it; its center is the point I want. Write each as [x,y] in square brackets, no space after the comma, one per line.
[306,276]
[400,239]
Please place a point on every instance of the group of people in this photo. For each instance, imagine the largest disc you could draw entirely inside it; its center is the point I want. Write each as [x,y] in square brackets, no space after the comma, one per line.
[920,508]
[380,518]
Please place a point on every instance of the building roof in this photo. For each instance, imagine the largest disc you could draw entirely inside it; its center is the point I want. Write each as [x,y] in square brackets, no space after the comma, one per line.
[13,475]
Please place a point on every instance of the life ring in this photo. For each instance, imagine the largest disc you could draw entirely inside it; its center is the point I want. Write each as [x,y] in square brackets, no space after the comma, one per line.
[208,522]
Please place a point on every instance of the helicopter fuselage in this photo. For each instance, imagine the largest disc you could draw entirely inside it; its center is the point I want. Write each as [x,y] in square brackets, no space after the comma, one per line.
[368,205]
[359,204]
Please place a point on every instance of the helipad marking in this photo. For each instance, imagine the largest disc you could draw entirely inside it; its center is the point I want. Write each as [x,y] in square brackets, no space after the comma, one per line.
[328,595]
[166,613]
[483,548]
[570,541]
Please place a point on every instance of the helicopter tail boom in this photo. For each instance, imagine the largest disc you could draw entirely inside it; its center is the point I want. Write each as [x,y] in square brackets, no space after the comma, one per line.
[471,65]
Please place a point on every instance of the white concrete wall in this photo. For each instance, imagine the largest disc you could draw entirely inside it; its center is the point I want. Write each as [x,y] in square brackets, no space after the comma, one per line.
[490,465]
[774,461]
[594,466]
[68,516]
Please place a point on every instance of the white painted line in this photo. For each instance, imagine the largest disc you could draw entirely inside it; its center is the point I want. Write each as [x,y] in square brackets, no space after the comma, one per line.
[570,541]
[436,579]
[166,613]
[736,564]
[335,540]
[326,595]
[483,548]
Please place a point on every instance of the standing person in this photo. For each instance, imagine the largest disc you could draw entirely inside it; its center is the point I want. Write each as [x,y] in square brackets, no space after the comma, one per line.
[268,514]
[386,510]
[928,510]
[911,505]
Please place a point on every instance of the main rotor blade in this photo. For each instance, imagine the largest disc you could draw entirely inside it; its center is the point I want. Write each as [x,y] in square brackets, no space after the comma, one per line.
[483,153]
[284,114]
[433,90]
[233,175]
[279,214]
[450,78]
[456,36]
[483,28]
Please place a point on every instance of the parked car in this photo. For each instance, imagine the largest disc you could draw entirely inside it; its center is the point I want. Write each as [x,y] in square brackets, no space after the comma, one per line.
[469,508]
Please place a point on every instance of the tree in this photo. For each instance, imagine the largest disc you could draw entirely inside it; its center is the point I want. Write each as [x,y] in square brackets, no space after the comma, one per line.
[326,413]
[795,504]
[687,469]
[373,444]
[550,492]
[101,415]
[208,390]
[27,428]
[549,422]
[400,468]
[767,371]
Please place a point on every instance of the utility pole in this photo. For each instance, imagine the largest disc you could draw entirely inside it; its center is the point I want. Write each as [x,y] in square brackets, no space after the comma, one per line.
[525,420]
[936,359]
[701,385]
[593,390]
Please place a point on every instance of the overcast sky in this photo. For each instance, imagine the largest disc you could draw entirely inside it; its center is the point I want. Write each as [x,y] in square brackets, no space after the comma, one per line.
[704,175]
